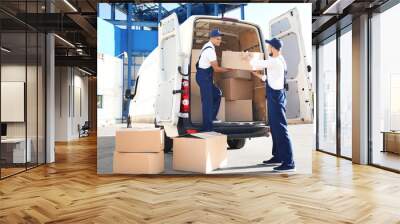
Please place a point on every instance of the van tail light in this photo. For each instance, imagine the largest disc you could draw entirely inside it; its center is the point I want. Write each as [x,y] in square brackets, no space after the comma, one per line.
[185,104]
[191,131]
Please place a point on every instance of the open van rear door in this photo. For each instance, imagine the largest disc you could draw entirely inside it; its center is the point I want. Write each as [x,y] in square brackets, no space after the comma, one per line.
[300,106]
[168,95]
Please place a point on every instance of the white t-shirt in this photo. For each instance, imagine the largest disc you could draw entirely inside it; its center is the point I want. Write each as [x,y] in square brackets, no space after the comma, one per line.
[275,70]
[207,56]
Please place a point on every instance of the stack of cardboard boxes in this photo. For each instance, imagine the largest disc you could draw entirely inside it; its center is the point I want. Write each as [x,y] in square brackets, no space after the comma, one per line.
[237,86]
[200,152]
[139,151]
[241,92]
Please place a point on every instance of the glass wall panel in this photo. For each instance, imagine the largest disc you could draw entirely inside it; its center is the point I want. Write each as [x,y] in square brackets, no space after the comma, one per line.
[14,153]
[41,98]
[327,96]
[385,88]
[31,97]
[346,93]
[22,64]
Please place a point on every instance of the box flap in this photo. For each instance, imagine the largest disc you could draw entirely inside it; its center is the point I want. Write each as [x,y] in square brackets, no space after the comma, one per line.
[202,135]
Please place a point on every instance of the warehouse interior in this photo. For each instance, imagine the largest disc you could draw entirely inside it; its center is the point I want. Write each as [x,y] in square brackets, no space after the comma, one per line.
[51,107]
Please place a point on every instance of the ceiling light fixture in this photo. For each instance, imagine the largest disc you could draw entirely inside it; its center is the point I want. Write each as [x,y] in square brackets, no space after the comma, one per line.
[64,40]
[5,50]
[337,7]
[70,5]
[86,72]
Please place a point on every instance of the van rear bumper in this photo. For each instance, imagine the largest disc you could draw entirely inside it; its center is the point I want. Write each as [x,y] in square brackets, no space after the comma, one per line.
[234,130]
[243,131]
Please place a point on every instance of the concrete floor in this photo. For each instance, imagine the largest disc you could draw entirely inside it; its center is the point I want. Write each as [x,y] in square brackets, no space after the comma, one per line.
[245,160]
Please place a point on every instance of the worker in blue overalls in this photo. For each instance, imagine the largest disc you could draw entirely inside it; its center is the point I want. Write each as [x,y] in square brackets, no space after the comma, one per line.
[282,153]
[210,94]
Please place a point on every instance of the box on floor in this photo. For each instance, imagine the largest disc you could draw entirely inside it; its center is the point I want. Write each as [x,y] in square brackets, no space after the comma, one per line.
[138,163]
[200,152]
[139,140]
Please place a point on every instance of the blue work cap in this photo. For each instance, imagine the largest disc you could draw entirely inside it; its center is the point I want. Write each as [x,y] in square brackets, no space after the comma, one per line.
[215,33]
[275,43]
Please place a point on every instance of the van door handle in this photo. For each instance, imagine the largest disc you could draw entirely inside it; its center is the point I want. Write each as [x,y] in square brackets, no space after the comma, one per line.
[177,91]
[180,71]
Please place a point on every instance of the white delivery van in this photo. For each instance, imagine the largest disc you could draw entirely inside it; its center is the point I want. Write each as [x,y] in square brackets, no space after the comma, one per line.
[162,92]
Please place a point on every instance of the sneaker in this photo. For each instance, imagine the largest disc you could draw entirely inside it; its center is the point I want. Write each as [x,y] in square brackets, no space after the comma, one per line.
[285,168]
[272,161]
[217,121]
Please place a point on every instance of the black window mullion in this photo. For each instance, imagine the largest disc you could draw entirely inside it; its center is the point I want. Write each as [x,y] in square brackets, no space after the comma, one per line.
[0,94]
[338,98]
[26,87]
[37,90]
[317,95]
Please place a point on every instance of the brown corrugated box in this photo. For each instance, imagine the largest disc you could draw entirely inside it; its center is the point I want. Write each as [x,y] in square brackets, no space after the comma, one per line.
[195,58]
[239,74]
[196,109]
[392,142]
[195,88]
[201,152]
[139,140]
[239,110]
[138,163]
[259,104]
[236,89]
[238,60]
[259,100]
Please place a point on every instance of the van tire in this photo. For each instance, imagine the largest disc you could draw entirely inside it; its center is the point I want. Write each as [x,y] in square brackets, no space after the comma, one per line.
[236,143]
[168,143]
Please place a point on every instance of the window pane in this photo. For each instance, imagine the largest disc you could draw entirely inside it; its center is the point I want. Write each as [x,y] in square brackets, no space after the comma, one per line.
[385,89]
[346,93]
[327,96]
[14,153]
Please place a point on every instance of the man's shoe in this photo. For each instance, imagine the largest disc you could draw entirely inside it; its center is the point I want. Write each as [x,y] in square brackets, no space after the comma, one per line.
[272,161]
[285,168]
[217,121]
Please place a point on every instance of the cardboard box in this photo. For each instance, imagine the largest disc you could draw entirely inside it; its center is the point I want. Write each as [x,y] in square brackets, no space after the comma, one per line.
[239,74]
[249,40]
[195,58]
[238,60]
[239,110]
[196,109]
[237,89]
[194,87]
[139,140]
[138,163]
[259,104]
[392,142]
[200,152]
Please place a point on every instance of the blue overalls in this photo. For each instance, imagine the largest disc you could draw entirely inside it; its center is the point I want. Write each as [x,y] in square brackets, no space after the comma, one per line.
[281,144]
[210,95]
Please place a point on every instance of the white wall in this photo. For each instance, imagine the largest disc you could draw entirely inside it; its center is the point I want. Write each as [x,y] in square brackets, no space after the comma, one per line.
[71,87]
[109,85]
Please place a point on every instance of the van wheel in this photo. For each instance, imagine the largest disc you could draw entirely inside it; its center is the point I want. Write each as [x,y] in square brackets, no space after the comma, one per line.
[236,143]
[167,144]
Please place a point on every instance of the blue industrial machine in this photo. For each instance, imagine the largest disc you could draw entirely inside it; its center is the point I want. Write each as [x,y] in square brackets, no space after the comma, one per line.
[137,34]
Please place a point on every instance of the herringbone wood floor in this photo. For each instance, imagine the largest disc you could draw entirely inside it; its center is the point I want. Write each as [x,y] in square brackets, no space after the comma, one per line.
[70,191]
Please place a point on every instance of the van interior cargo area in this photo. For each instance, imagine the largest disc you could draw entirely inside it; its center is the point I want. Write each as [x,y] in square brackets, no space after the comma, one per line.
[238,37]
